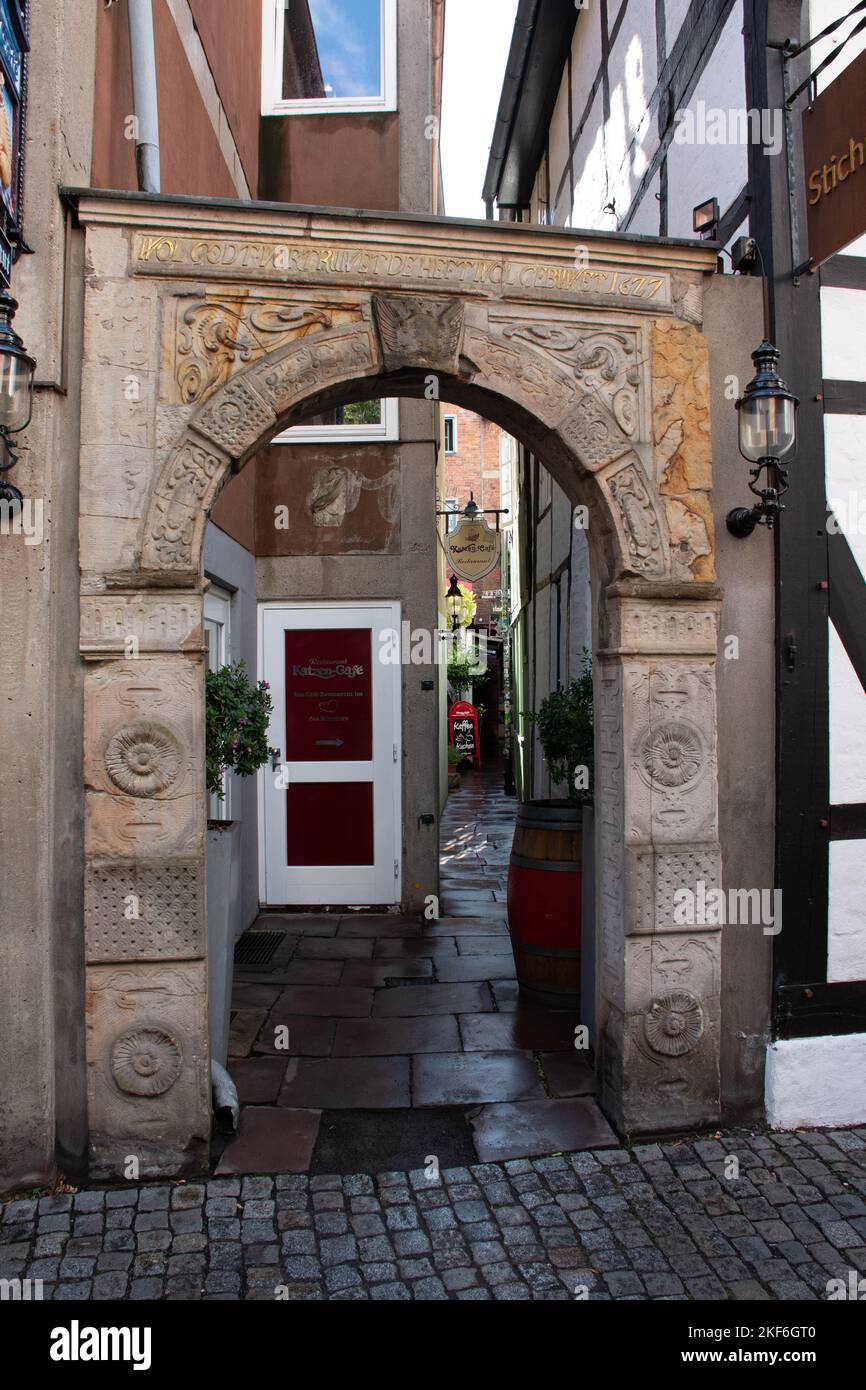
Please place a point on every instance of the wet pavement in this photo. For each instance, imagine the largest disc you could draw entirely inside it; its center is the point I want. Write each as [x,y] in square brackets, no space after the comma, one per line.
[358,1015]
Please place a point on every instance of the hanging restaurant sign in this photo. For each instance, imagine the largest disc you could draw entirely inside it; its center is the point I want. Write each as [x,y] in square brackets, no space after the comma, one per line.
[472,548]
[834,151]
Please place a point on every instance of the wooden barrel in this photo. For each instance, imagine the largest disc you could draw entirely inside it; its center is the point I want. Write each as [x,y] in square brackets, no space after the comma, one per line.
[544,901]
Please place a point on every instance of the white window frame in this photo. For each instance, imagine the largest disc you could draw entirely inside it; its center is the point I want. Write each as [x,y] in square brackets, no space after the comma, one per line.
[218,610]
[453,450]
[273,104]
[452,505]
[387,429]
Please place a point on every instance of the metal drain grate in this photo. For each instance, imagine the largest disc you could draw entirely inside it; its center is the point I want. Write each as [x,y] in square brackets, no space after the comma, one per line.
[257,947]
[397,981]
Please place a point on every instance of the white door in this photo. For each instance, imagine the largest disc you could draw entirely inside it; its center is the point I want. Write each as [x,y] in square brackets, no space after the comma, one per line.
[331,801]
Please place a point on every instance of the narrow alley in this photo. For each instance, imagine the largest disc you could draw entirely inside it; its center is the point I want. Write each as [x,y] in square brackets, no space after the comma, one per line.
[370,1042]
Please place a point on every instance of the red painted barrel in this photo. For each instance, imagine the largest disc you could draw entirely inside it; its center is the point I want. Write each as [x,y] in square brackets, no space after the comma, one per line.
[544,900]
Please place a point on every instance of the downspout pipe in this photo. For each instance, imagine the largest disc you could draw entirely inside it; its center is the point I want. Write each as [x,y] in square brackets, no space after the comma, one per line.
[226,1106]
[144,98]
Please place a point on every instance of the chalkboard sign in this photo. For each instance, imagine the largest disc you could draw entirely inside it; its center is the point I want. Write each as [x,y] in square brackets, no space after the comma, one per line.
[463,730]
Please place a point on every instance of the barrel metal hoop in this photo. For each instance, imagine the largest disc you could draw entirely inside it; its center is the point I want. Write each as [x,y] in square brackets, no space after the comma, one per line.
[545,950]
[567,827]
[557,866]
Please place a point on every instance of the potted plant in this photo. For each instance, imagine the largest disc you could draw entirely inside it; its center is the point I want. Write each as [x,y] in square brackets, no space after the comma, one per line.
[545,874]
[237,714]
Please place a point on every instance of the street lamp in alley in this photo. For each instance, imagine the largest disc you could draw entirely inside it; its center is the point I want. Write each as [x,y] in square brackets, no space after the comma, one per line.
[456,604]
[16,391]
[767,423]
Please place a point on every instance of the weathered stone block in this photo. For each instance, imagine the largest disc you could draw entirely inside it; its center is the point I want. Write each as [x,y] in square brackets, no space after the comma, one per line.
[144,910]
[122,624]
[148,1072]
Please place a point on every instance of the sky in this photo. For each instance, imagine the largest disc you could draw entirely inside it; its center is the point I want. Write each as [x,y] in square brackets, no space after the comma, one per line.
[348,40]
[477,40]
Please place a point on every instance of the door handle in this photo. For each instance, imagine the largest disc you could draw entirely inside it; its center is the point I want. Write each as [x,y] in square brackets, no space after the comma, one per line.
[276,755]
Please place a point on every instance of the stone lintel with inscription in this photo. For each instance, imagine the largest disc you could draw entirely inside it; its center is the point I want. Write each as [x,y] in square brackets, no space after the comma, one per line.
[295,260]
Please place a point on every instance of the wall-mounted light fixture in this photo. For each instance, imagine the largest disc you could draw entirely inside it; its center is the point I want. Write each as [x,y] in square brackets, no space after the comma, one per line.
[456,603]
[705,219]
[16,391]
[767,422]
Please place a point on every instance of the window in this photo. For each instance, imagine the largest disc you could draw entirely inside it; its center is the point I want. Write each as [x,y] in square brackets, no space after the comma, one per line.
[347,424]
[217,640]
[451,521]
[329,55]
[450,429]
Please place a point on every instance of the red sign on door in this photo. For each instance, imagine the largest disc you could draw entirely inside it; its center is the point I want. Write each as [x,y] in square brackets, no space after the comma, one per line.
[329,695]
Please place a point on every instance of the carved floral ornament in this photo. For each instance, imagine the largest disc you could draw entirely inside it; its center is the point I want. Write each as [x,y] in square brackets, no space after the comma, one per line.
[144,758]
[214,339]
[671,755]
[640,524]
[604,363]
[146,1061]
[674,1023]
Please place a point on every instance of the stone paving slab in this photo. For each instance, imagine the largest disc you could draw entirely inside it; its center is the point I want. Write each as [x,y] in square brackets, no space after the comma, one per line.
[653,1222]
[533,1127]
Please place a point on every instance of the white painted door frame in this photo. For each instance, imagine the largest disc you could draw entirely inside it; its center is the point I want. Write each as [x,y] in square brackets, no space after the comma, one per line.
[349,885]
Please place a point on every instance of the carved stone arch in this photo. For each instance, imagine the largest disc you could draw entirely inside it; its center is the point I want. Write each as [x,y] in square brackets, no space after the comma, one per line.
[409,340]
[203,338]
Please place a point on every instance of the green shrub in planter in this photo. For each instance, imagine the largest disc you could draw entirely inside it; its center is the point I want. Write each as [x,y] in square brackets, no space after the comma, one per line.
[237,718]
[565,731]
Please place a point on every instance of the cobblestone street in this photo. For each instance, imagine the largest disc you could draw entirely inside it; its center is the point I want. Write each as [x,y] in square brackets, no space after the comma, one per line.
[653,1222]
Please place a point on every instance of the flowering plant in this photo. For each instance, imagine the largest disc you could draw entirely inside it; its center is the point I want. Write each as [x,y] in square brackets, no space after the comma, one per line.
[237,718]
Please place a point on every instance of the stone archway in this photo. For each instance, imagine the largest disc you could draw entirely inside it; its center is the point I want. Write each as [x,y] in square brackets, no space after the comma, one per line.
[209,330]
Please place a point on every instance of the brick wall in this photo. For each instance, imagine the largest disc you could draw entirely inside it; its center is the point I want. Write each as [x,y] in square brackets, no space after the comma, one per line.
[474,469]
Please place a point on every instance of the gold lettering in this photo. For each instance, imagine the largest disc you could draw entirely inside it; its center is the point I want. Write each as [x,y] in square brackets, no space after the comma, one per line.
[158,248]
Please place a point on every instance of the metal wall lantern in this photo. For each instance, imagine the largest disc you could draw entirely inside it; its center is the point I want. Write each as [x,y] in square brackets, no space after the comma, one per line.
[767,423]
[16,391]
[456,603]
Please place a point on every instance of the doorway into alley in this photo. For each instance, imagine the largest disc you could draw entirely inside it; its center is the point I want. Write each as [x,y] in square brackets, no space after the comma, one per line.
[370,1043]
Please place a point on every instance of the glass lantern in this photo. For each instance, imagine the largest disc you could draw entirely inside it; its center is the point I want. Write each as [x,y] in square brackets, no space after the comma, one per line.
[456,603]
[767,411]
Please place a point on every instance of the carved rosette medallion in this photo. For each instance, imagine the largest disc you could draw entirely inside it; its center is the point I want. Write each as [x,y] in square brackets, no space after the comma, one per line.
[674,1024]
[143,758]
[671,755]
[146,1061]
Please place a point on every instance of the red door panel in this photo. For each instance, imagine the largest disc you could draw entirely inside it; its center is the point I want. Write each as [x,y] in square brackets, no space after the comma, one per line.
[329,696]
[330,823]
